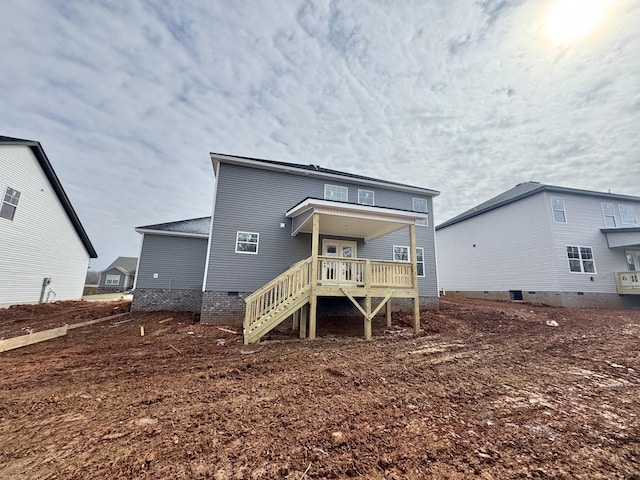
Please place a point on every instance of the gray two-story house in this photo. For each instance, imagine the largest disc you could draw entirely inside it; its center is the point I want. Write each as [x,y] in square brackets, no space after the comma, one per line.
[545,244]
[288,240]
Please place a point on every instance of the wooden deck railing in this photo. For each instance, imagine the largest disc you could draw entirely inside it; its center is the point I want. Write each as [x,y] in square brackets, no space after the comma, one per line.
[276,293]
[628,283]
[358,272]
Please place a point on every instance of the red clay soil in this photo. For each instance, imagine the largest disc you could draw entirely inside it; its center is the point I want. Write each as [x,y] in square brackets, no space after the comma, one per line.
[487,390]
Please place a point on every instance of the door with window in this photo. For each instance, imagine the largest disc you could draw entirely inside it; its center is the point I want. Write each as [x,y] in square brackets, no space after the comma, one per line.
[338,271]
[633,260]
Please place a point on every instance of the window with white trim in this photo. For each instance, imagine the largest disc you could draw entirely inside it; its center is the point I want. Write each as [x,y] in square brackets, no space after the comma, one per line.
[247,242]
[420,261]
[112,280]
[9,203]
[337,193]
[557,207]
[400,253]
[628,215]
[581,259]
[365,197]
[420,205]
[609,215]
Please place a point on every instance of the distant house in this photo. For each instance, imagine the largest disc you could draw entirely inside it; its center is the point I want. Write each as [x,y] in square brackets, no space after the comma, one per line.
[286,240]
[545,244]
[44,250]
[119,276]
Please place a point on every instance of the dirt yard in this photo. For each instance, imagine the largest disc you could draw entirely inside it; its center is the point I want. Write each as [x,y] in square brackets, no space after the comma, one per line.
[488,390]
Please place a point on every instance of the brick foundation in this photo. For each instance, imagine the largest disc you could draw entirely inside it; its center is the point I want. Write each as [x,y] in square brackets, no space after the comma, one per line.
[223,308]
[153,299]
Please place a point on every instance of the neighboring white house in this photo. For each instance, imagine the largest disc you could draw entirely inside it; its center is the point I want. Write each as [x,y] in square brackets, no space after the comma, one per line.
[44,250]
[544,244]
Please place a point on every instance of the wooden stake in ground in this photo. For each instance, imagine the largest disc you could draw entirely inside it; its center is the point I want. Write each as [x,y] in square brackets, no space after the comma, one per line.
[141,330]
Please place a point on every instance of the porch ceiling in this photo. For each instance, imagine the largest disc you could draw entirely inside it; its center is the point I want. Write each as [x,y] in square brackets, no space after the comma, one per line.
[622,237]
[350,220]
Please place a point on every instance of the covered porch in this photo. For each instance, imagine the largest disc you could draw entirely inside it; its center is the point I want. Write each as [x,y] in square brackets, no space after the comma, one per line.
[627,242]
[335,270]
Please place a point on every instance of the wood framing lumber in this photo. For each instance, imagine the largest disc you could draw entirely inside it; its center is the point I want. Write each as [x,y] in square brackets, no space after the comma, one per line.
[97,320]
[30,339]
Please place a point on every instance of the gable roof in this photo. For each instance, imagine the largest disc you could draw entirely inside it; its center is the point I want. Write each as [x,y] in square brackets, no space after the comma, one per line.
[524,190]
[38,151]
[193,227]
[126,265]
[314,170]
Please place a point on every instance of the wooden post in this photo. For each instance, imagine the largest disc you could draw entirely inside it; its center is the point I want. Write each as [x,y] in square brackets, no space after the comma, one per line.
[367,301]
[296,320]
[388,312]
[313,303]
[414,271]
[303,321]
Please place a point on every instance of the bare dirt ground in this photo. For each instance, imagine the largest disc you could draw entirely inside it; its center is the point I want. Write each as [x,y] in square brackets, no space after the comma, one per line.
[488,390]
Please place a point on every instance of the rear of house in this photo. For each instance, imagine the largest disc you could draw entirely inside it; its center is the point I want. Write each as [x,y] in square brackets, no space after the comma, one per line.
[45,251]
[544,244]
[269,217]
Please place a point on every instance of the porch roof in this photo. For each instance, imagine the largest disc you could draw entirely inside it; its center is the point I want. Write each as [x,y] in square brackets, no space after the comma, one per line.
[628,237]
[344,219]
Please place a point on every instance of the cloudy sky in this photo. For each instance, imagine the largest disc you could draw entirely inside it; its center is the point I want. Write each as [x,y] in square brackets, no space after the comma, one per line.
[469,97]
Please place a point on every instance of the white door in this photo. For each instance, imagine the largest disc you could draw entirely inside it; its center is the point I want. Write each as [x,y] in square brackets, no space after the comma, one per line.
[337,271]
[633,260]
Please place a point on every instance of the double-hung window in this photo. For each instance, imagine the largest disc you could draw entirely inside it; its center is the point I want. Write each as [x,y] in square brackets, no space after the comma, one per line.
[337,193]
[9,203]
[420,205]
[609,215]
[247,242]
[401,254]
[628,215]
[557,207]
[112,280]
[365,197]
[581,259]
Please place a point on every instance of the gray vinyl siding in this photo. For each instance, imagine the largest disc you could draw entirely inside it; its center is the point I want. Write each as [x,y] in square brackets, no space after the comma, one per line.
[584,221]
[178,261]
[254,200]
[513,250]
[113,271]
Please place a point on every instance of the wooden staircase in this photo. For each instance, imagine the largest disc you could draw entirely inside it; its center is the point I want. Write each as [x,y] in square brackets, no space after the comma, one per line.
[277,300]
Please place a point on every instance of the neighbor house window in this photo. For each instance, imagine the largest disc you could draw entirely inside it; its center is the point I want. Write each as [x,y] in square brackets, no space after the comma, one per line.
[628,215]
[334,192]
[247,242]
[609,215]
[365,197]
[400,254]
[420,205]
[557,206]
[112,280]
[9,203]
[581,259]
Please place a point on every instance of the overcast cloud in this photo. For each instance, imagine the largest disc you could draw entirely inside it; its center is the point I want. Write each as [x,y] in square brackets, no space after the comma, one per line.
[462,96]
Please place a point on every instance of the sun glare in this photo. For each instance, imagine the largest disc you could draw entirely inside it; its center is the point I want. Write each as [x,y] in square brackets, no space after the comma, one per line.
[569,21]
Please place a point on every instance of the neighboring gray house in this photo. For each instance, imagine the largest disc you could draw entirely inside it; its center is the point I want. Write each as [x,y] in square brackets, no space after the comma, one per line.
[44,250]
[119,276]
[545,244]
[288,239]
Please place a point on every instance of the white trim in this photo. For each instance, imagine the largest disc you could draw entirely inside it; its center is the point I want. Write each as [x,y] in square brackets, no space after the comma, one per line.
[564,209]
[216,179]
[580,259]
[418,262]
[635,217]
[346,191]
[257,243]
[613,215]
[112,278]
[218,158]
[393,253]
[324,206]
[135,277]
[373,197]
